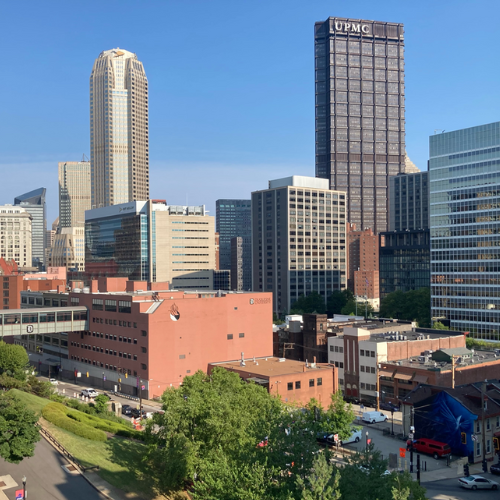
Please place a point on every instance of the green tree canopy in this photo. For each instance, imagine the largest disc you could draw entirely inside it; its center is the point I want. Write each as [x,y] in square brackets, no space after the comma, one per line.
[414,305]
[322,483]
[337,300]
[14,360]
[439,326]
[312,303]
[18,433]
[363,306]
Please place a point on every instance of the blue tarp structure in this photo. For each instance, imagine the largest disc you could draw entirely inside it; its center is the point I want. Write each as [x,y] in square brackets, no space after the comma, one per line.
[443,418]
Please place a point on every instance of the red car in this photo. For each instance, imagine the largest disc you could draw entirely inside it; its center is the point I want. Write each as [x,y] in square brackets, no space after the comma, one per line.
[435,448]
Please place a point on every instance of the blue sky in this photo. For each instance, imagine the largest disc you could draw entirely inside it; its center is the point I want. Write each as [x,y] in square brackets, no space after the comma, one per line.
[231,85]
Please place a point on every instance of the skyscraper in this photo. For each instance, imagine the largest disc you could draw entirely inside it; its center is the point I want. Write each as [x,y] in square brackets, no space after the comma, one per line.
[464,175]
[233,219]
[119,147]
[74,193]
[360,120]
[298,240]
[15,241]
[34,203]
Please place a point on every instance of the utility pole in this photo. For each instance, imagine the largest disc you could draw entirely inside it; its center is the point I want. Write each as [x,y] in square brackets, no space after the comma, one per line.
[412,432]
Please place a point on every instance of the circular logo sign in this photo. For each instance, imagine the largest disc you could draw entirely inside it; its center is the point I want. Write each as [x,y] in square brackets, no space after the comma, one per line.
[174,313]
[251,301]
[29,328]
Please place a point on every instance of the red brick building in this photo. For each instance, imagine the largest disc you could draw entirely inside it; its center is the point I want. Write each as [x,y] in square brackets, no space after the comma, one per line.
[363,262]
[293,381]
[142,334]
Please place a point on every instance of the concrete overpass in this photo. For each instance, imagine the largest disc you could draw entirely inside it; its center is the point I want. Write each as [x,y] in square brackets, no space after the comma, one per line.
[43,320]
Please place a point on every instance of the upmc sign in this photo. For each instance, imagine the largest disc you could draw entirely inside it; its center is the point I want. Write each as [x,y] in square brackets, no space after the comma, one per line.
[352,27]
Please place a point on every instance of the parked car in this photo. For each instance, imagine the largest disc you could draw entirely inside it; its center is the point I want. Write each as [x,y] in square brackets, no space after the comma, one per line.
[136,413]
[355,437]
[435,448]
[477,483]
[373,416]
[389,407]
[324,437]
[495,469]
[90,393]
[126,410]
[53,381]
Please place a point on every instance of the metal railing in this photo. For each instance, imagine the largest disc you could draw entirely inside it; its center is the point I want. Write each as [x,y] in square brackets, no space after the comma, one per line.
[64,451]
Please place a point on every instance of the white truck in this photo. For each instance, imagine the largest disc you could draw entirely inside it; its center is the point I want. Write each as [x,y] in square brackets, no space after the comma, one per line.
[373,416]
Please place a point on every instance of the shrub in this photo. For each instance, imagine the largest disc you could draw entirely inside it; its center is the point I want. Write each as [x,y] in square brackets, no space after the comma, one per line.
[132,434]
[58,398]
[56,414]
[12,383]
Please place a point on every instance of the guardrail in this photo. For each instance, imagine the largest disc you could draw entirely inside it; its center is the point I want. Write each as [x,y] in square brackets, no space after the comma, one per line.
[64,451]
[122,395]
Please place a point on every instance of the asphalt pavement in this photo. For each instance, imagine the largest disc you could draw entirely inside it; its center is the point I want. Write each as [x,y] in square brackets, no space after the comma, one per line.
[448,489]
[46,477]
[71,390]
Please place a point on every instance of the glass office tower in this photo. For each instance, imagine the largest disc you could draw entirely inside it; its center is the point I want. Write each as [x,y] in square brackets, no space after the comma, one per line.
[34,203]
[360,113]
[464,174]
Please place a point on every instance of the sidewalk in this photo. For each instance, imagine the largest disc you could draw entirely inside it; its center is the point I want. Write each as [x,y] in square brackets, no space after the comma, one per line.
[447,473]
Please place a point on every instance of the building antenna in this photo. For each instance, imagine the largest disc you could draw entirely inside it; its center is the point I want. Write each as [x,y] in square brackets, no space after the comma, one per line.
[84,158]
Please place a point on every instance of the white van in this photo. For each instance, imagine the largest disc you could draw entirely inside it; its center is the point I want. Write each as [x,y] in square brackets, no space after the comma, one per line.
[354,438]
[373,416]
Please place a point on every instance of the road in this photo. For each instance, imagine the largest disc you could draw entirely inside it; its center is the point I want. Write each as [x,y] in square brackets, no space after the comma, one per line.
[70,389]
[448,489]
[46,479]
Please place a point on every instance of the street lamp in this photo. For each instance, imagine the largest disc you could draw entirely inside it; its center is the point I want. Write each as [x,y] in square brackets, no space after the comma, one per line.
[24,487]
[412,432]
[366,441]
[392,415]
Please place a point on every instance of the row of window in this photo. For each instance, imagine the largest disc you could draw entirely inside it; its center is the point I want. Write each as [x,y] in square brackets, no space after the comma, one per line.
[108,351]
[230,336]
[114,322]
[336,348]
[107,366]
[368,387]
[367,369]
[319,381]
[367,353]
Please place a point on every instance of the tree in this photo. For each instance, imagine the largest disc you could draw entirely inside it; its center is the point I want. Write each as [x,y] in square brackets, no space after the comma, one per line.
[100,403]
[322,483]
[439,326]
[362,307]
[312,303]
[18,433]
[414,305]
[14,360]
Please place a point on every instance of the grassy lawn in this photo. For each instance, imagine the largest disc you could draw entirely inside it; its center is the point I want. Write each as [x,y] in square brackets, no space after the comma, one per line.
[33,402]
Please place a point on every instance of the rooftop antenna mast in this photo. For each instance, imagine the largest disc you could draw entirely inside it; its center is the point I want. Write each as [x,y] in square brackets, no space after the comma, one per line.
[84,157]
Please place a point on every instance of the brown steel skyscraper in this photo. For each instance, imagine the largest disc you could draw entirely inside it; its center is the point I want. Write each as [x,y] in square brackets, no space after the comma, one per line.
[360,120]
[119,135]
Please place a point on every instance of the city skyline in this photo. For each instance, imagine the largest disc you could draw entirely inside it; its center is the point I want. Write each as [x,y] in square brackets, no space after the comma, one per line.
[192,114]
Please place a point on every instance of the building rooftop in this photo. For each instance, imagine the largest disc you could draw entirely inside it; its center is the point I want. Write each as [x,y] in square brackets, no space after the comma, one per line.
[269,367]
[300,181]
[429,364]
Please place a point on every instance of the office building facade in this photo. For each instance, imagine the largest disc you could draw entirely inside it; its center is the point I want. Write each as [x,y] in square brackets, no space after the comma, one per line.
[119,133]
[409,202]
[68,249]
[233,219]
[74,193]
[34,203]
[298,240]
[360,113]
[151,241]
[237,264]
[16,235]
[464,174]
[405,261]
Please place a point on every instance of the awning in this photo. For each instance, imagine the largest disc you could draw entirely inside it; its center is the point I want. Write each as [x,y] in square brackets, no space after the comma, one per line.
[385,373]
[421,379]
[402,376]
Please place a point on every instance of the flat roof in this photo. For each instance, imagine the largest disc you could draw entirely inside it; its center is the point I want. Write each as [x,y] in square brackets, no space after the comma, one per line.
[34,310]
[386,336]
[271,366]
[478,358]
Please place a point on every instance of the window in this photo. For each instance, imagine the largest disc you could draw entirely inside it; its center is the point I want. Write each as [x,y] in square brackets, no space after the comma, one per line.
[336,364]
[319,381]
[331,348]
[478,448]
[290,386]
[372,354]
[229,336]
[372,369]
[97,304]
[341,381]
[311,382]
[488,446]
[362,352]
[362,385]
[124,306]
[143,366]
[341,364]
[110,305]
[144,333]
[341,349]
[297,384]
[498,421]
[143,349]
[181,356]
[241,335]
[478,427]
[336,348]
[362,368]
[488,424]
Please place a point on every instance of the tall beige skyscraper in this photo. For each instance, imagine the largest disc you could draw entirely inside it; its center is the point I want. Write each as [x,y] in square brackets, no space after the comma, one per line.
[74,193]
[119,135]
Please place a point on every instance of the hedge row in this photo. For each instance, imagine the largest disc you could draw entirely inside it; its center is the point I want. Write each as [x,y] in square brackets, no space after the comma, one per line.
[104,425]
[55,413]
